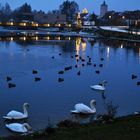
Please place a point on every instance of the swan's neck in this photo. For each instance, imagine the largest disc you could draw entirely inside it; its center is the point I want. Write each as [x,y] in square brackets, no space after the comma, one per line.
[103,85]
[25,110]
[28,127]
[92,105]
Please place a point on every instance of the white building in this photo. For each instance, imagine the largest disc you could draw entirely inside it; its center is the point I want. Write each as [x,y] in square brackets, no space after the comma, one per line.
[103,9]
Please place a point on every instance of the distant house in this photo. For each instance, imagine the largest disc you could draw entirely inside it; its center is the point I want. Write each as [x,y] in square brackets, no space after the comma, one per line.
[25,16]
[50,18]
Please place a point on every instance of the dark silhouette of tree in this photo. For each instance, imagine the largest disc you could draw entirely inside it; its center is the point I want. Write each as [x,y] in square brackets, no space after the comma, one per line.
[25,8]
[70,8]
[5,12]
[93,17]
[24,12]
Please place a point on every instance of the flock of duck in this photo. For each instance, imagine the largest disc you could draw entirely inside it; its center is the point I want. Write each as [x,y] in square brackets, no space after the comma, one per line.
[135,77]
[60,79]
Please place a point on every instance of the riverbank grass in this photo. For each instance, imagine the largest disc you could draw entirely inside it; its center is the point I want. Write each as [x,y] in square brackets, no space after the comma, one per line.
[124,128]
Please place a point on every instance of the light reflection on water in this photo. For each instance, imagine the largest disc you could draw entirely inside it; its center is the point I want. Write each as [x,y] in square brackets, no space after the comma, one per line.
[52,100]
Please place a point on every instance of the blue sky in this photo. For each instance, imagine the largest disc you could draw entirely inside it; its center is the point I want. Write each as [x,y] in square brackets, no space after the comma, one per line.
[91,5]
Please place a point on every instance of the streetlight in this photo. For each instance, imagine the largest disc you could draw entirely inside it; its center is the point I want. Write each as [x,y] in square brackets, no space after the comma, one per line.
[123,17]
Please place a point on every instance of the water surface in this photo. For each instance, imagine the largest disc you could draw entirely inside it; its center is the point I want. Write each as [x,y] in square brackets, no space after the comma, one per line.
[51,101]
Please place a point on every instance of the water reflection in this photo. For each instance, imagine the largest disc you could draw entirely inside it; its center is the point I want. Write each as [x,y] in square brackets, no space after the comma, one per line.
[83,118]
[81,45]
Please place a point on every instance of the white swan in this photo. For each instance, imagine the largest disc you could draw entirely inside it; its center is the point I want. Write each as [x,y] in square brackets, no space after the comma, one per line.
[19,128]
[18,115]
[81,108]
[100,86]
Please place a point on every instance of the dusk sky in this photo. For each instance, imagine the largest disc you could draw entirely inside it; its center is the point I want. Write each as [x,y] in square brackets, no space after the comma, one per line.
[91,5]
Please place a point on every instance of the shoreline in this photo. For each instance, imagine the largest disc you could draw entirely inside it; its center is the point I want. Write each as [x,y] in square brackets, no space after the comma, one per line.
[117,35]
[125,127]
[95,34]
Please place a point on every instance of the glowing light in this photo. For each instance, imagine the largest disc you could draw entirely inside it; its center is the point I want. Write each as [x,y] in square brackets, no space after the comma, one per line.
[36,25]
[85,11]
[136,23]
[24,24]
[69,38]
[46,25]
[84,45]
[108,52]
[110,17]
[58,25]
[69,25]
[121,46]
[48,38]
[78,42]
[24,38]
[11,23]
[123,17]
[36,38]
[11,39]
[58,38]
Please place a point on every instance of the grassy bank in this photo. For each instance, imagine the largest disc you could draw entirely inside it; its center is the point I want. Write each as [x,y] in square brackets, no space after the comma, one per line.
[125,128]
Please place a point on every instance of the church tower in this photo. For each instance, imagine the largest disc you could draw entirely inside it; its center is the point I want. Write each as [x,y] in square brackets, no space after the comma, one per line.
[103,9]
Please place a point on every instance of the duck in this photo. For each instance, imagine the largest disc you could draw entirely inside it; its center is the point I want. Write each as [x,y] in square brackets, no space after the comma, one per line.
[134,76]
[60,72]
[16,115]
[60,79]
[78,73]
[11,85]
[83,65]
[97,71]
[100,65]
[76,66]
[19,128]
[138,83]
[100,86]
[8,78]
[81,108]
[37,79]
[102,59]
[34,71]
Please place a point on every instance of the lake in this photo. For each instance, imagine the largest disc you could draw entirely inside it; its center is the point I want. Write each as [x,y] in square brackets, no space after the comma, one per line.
[51,101]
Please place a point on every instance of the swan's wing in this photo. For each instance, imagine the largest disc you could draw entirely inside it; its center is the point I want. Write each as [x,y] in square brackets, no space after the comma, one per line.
[14,114]
[16,127]
[98,87]
[82,108]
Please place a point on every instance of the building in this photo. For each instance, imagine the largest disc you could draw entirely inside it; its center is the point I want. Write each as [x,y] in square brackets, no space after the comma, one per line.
[103,9]
[50,18]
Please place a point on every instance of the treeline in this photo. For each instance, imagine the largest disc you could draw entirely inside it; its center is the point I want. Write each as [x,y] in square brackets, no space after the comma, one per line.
[25,12]
[70,9]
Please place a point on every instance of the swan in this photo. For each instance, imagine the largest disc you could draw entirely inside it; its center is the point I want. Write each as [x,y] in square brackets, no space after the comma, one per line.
[101,86]
[19,128]
[81,108]
[18,115]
